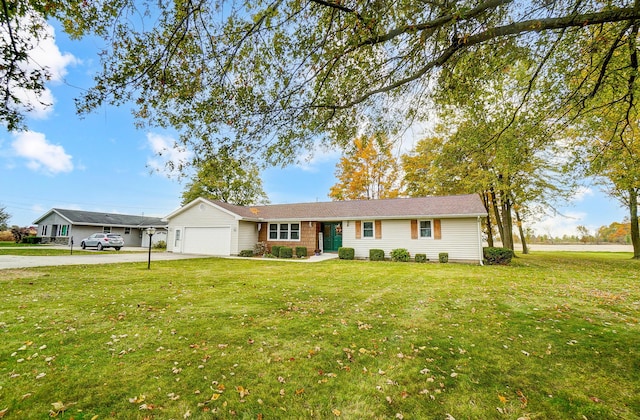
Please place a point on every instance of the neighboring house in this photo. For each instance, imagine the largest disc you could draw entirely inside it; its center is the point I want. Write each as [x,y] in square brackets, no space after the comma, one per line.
[61,225]
[427,225]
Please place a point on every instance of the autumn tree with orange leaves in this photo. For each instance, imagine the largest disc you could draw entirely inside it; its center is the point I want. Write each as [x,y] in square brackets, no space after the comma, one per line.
[367,171]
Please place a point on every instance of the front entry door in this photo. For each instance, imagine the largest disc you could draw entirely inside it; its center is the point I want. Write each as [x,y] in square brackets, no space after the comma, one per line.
[332,236]
[177,241]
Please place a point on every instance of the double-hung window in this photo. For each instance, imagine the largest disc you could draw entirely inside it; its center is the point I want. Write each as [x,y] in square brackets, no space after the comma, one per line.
[367,229]
[425,229]
[284,231]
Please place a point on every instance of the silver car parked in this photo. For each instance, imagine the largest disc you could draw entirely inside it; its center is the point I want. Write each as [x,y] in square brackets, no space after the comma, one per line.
[103,240]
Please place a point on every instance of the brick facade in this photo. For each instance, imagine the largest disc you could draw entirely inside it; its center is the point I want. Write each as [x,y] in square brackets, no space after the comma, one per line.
[308,237]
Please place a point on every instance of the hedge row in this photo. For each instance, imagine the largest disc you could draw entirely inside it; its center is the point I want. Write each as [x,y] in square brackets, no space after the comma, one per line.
[491,255]
[400,254]
[280,251]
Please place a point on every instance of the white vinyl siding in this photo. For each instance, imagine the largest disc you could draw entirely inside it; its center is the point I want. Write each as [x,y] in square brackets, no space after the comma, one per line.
[459,239]
[247,235]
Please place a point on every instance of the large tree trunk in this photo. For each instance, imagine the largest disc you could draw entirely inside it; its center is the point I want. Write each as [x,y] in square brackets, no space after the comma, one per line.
[635,230]
[496,210]
[525,248]
[487,206]
[507,222]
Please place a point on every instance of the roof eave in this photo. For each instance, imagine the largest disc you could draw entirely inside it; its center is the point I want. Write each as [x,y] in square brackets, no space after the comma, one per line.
[397,217]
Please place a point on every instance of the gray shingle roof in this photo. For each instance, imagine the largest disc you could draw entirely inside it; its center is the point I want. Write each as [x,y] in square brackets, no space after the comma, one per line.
[468,205]
[79,217]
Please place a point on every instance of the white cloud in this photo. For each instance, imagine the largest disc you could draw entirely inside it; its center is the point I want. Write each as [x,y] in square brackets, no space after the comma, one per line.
[169,157]
[44,54]
[40,154]
[559,225]
[321,156]
[581,193]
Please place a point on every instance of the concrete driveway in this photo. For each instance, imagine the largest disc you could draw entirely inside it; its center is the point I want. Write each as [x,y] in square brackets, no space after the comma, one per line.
[141,255]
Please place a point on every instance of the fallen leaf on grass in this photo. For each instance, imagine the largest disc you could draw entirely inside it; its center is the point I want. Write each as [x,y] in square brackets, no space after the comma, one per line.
[242,391]
[502,399]
[522,398]
[3,412]
[58,408]
[136,399]
[336,412]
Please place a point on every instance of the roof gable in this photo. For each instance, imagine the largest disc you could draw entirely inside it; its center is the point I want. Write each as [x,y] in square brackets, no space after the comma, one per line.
[230,209]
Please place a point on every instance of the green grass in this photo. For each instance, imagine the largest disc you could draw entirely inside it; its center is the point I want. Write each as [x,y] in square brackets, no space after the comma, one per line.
[44,251]
[31,252]
[11,244]
[554,336]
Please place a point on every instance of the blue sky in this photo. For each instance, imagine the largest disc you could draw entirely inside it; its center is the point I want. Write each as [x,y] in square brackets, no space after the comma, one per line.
[103,163]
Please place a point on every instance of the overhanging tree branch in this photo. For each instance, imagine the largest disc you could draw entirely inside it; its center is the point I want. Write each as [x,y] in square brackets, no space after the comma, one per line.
[518,28]
[435,23]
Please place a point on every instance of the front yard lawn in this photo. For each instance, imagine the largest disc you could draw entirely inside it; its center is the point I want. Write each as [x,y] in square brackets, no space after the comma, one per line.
[553,336]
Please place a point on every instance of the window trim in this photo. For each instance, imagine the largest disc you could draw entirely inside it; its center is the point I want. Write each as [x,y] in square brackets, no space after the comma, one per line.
[288,231]
[63,230]
[431,229]
[373,229]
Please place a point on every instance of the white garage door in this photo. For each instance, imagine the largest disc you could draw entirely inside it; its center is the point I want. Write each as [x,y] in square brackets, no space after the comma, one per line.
[207,240]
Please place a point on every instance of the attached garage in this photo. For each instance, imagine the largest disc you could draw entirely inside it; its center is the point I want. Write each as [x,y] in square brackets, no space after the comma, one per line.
[207,240]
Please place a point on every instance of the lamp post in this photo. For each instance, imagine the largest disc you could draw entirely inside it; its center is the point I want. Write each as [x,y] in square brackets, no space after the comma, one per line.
[150,231]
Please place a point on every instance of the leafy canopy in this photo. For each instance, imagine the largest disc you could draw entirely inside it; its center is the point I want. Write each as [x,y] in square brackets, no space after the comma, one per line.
[275,77]
[224,178]
[4,218]
[367,171]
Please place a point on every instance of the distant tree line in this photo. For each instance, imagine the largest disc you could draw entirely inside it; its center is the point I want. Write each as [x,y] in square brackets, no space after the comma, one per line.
[615,233]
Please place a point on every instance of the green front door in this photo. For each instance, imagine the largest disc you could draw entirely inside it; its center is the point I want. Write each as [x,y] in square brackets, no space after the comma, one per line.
[332,236]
